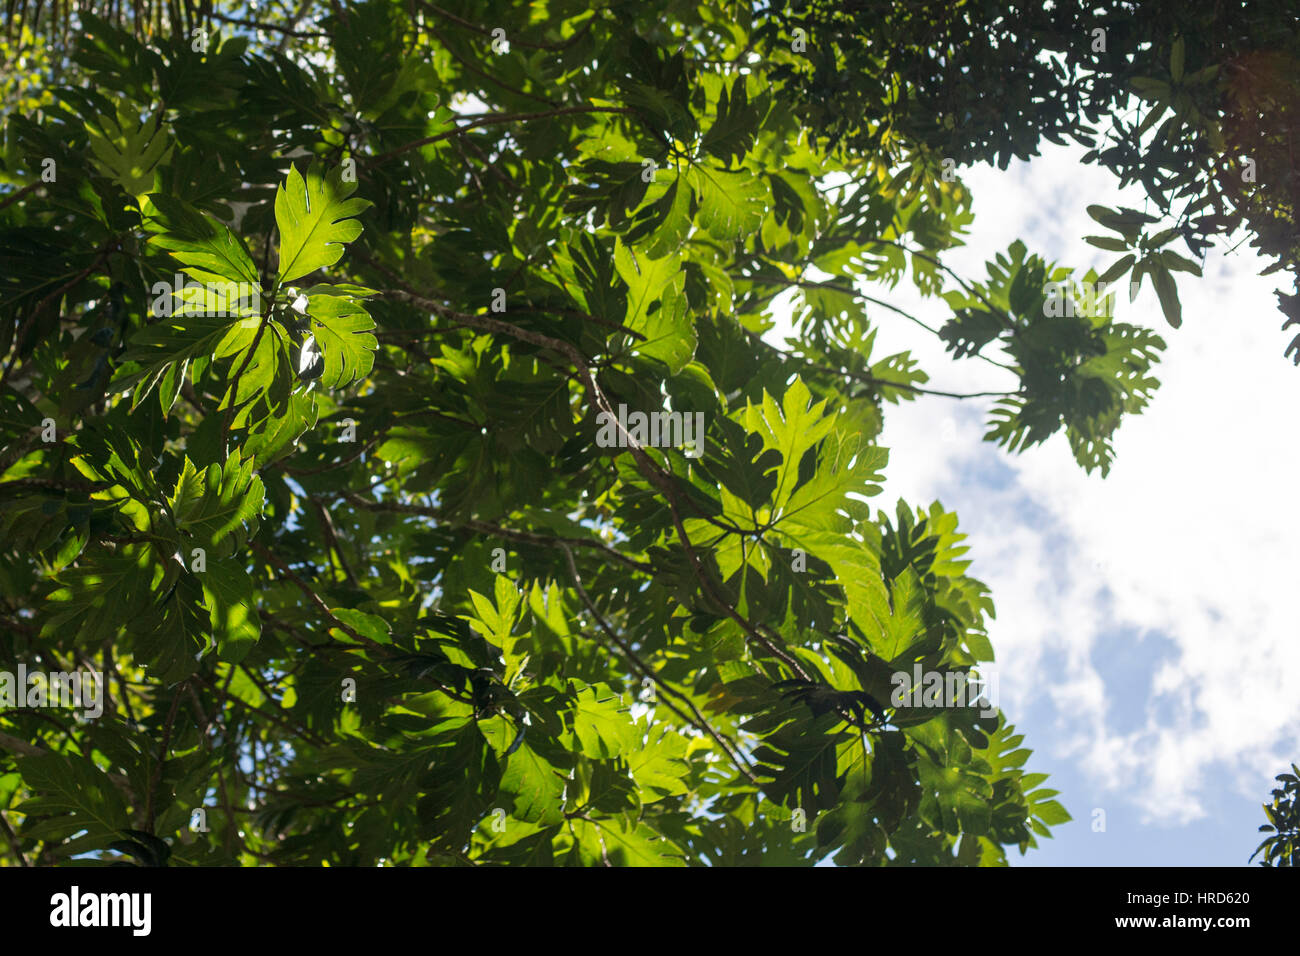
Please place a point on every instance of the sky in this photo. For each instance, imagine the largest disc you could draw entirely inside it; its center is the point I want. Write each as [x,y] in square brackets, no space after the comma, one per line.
[1146,637]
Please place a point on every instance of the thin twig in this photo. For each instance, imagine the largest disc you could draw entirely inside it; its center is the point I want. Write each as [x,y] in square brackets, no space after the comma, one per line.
[728,745]
[261,25]
[480,73]
[293,729]
[151,798]
[850,290]
[15,196]
[868,379]
[332,539]
[23,330]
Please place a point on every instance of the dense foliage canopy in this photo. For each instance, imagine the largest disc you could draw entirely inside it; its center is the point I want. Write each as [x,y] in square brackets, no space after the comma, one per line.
[324,348]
